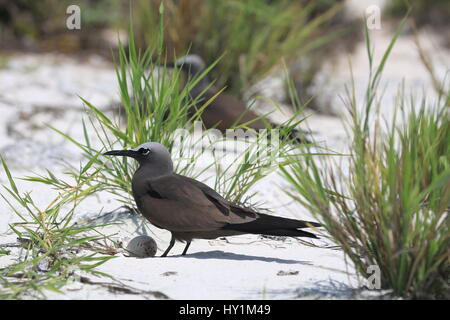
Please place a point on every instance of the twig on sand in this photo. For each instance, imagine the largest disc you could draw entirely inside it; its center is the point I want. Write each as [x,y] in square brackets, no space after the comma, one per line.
[123,288]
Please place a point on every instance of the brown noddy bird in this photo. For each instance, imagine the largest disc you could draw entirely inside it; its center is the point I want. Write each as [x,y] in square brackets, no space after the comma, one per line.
[190,209]
[225,110]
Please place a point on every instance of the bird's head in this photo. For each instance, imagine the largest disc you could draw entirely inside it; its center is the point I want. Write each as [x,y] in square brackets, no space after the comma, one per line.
[150,154]
[192,64]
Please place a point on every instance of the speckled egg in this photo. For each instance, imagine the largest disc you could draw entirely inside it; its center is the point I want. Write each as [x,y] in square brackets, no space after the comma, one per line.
[142,247]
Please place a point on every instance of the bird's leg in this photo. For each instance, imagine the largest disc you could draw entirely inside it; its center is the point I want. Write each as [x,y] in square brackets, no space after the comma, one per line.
[172,242]
[186,248]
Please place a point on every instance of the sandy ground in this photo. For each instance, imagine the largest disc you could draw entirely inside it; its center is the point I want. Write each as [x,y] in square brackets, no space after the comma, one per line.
[39,89]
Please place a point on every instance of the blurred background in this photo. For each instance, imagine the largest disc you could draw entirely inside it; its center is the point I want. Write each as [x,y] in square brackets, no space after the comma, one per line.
[260,44]
[252,35]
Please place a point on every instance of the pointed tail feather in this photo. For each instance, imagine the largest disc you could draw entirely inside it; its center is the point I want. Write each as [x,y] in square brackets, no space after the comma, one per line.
[288,233]
[275,226]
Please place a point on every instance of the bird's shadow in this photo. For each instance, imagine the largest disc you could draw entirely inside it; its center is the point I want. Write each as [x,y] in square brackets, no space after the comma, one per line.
[217,254]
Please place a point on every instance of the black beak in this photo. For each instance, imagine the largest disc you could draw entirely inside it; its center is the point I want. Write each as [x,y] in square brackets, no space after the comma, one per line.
[123,153]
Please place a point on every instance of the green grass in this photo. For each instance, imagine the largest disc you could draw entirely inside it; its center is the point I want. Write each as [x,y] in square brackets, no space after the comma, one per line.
[55,248]
[391,207]
[253,35]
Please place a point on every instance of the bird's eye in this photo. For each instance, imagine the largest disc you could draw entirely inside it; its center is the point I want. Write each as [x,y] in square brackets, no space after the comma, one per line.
[144,151]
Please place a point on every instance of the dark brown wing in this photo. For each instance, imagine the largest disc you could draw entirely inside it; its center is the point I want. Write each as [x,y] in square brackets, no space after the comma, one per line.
[177,204]
[222,204]
[181,204]
[262,224]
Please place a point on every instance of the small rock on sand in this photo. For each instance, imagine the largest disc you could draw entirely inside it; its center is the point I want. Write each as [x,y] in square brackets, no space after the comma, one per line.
[142,247]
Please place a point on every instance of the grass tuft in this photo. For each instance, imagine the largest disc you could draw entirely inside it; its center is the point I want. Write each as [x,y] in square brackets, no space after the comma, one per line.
[53,247]
[390,208]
